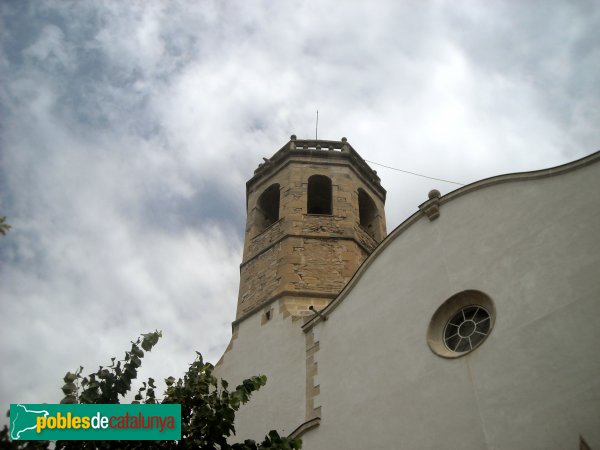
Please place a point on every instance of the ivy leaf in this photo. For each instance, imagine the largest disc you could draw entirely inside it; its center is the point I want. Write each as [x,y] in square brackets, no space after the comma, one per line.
[69,388]
[150,339]
[69,400]
[70,377]
[136,351]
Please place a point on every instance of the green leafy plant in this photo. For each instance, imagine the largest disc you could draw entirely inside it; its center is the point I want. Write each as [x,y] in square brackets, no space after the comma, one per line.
[4,227]
[208,406]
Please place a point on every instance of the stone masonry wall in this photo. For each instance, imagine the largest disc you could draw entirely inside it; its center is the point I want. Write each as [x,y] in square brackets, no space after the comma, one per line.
[302,265]
[305,255]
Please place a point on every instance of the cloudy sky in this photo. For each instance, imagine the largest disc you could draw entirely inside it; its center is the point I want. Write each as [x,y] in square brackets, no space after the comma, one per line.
[128,130]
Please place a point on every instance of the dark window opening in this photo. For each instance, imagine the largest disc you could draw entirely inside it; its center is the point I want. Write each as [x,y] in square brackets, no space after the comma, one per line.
[319,195]
[266,316]
[267,208]
[368,215]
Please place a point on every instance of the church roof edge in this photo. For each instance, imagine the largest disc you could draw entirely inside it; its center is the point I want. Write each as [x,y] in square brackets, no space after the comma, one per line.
[419,214]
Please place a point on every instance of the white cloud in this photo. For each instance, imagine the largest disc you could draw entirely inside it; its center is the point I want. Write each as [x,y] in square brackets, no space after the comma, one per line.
[129,130]
[50,48]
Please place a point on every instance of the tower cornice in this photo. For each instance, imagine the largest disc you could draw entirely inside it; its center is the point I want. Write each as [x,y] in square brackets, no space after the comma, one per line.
[331,152]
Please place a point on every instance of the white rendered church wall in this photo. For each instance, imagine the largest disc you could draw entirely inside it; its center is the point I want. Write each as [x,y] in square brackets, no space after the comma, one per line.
[533,247]
[276,349]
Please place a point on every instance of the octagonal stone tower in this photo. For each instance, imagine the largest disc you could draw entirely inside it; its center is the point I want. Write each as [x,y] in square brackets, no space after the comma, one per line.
[315,211]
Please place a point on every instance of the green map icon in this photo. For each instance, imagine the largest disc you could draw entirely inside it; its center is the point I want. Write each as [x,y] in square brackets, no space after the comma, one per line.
[23,419]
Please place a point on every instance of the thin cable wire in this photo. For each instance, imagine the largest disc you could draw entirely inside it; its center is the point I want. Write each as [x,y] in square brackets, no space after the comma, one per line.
[413,173]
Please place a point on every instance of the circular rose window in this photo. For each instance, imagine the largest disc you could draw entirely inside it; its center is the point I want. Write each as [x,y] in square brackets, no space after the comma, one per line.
[467,329]
[461,324]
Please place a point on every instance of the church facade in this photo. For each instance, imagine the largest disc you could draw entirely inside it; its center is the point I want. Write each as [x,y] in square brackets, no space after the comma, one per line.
[472,325]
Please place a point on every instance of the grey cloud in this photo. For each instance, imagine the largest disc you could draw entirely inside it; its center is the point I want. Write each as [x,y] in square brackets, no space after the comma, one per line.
[129,129]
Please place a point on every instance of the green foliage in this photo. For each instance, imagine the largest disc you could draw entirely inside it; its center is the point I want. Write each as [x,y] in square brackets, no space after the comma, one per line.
[111,382]
[4,227]
[208,407]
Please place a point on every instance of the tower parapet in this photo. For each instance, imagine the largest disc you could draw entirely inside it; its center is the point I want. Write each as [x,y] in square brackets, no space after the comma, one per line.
[315,211]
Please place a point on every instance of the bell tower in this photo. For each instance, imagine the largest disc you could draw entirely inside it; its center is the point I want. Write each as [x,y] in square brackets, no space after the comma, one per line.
[315,211]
